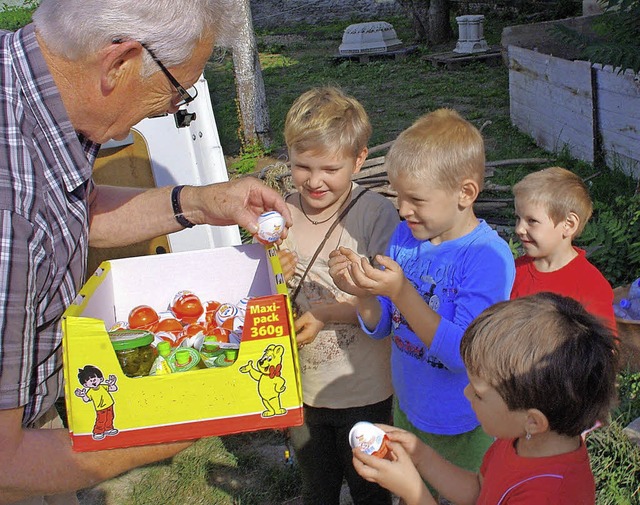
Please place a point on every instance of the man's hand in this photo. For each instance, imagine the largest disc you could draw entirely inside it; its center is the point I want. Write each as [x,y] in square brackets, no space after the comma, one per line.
[122,216]
[239,201]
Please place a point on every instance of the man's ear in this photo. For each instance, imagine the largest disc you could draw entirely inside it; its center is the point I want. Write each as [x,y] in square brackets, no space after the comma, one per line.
[571,225]
[360,159]
[115,59]
[468,193]
[536,422]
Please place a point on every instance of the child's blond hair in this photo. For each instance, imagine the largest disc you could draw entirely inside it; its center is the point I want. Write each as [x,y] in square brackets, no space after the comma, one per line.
[442,147]
[559,191]
[328,119]
[545,352]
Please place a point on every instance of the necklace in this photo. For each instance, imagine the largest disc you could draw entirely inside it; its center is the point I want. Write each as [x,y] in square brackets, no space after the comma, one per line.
[313,222]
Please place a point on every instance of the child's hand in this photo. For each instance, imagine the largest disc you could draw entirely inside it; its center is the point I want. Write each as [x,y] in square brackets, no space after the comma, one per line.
[367,279]
[307,327]
[339,263]
[288,261]
[398,476]
[409,441]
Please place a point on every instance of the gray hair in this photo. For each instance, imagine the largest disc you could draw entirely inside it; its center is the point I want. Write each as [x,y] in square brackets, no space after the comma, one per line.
[170,28]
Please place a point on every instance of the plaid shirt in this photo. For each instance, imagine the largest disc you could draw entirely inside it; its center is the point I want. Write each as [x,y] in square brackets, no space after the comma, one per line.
[45,179]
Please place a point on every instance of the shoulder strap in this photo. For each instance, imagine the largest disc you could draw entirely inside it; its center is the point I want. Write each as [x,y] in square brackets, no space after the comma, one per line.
[324,241]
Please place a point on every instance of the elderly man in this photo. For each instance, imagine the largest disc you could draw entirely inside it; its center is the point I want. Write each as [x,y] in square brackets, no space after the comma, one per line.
[82,73]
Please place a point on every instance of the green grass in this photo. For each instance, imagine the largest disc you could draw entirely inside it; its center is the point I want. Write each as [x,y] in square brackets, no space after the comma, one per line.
[393,92]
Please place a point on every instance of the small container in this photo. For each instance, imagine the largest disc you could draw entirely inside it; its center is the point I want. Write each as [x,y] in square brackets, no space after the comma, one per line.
[143,317]
[209,351]
[225,316]
[186,307]
[369,439]
[161,365]
[134,351]
[185,359]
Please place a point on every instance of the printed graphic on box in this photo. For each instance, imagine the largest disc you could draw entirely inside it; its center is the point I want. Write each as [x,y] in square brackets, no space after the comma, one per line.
[259,390]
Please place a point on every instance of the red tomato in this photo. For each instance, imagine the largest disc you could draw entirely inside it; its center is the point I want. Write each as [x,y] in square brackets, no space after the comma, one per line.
[143,317]
[187,307]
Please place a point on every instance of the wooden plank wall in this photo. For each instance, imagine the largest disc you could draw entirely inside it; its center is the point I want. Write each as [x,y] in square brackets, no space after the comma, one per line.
[551,100]
[619,116]
[563,103]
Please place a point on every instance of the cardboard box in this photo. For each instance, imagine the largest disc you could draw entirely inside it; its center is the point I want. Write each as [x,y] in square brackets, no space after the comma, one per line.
[190,405]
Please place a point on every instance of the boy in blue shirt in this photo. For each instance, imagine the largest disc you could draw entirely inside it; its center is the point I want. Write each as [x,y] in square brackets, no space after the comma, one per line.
[443,267]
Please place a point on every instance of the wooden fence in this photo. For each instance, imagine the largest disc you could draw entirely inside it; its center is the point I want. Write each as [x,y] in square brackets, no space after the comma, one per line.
[591,110]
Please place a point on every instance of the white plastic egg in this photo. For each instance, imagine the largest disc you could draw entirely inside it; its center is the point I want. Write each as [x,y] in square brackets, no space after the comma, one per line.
[270,226]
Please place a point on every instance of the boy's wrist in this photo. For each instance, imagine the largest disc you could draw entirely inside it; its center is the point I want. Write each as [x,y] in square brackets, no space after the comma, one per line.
[397,295]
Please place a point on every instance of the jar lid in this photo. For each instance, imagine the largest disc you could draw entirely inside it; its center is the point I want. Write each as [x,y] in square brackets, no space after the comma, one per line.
[130,339]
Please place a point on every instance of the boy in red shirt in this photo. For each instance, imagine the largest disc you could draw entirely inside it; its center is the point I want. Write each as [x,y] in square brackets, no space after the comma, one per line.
[552,208]
[541,371]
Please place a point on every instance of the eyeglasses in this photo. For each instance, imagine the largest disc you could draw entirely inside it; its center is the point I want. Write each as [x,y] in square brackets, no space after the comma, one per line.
[186,96]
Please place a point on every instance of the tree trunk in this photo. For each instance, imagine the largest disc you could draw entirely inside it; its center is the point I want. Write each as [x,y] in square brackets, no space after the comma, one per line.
[430,20]
[254,114]
[419,12]
[439,25]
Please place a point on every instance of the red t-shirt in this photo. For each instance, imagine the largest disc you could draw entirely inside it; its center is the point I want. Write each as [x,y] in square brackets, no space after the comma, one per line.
[509,479]
[578,279]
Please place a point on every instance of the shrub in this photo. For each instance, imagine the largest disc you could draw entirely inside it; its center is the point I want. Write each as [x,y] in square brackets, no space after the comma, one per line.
[615,38]
[13,17]
[615,227]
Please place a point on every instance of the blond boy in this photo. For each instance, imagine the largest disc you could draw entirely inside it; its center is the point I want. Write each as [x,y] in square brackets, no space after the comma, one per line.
[443,267]
[552,208]
[345,374]
[531,394]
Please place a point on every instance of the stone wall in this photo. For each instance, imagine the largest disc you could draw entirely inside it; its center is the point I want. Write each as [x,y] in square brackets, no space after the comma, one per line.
[275,13]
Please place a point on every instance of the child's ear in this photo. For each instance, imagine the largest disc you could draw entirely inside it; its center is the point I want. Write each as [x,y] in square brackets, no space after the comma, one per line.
[536,422]
[571,224]
[468,193]
[360,159]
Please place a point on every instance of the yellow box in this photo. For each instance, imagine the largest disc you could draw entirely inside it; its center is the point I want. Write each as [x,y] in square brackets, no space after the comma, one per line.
[251,394]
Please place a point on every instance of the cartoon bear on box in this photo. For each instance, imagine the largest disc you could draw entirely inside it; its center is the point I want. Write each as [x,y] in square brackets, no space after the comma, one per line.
[266,373]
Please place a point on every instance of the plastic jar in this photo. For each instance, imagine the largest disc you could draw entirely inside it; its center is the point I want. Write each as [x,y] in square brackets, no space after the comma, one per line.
[134,351]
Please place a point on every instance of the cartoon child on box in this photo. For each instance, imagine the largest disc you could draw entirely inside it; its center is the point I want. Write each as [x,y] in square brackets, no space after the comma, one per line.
[98,391]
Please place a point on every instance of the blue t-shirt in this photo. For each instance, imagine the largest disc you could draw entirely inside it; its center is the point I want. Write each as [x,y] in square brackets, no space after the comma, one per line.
[458,279]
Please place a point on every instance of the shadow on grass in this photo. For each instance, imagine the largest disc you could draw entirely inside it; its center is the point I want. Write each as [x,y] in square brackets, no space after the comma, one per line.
[263,474]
